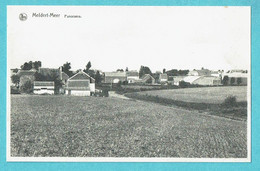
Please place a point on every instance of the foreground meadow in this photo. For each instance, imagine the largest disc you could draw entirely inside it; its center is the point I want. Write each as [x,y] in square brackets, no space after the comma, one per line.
[112,127]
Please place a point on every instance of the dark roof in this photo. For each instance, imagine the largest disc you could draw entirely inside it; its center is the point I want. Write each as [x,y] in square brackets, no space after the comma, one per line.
[115,74]
[78,85]
[81,76]
[43,83]
[65,76]
[49,71]
[204,72]
[132,74]
[26,72]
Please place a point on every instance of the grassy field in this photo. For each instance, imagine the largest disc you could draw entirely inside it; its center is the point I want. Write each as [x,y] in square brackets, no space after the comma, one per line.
[113,127]
[207,99]
[201,95]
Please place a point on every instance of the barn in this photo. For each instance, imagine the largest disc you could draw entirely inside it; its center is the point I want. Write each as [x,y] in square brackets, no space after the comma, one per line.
[115,77]
[132,76]
[147,79]
[43,87]
[203,80]
[80,84]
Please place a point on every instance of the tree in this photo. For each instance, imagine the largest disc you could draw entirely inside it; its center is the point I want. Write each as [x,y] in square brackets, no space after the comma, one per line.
[15,79]
[27,87]
[88,66]
[144,70]
[31,65]
[27,66]
[119,70]
[164,70]
[239,81]
[225,80]
[232,80]
[37,65]
[97,77]
[66,68]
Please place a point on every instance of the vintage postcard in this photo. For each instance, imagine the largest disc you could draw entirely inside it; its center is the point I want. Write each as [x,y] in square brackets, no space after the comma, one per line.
[129,83]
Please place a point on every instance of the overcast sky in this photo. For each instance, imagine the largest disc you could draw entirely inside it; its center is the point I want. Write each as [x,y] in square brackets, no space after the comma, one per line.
[120,37]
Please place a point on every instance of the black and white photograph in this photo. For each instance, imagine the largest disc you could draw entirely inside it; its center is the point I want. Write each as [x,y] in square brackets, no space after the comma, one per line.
[129,83]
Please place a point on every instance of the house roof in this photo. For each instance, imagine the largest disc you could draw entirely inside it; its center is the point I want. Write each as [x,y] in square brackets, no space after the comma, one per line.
[49,71]
[115,74]
[78,85]
[64,76]
[26,72]
[132,74]
[43,83]
[190,79]
[201,72]
[178,78]
[81,76]
[204,72]
[146,76]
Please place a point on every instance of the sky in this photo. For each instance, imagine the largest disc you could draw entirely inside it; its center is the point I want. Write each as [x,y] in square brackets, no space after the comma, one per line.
[116,37]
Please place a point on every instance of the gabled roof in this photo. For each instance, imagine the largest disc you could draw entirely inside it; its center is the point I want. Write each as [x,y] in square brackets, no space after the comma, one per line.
[190,79]
[64,76]
[81,76]
[132,74]
[115,74]
[26,72]
[146,76]
[43,83]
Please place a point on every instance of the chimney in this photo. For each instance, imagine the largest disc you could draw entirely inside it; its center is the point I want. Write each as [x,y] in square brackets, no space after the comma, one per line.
[60,72]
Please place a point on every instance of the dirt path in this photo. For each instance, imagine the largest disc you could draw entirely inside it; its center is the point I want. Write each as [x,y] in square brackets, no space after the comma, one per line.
[114,94]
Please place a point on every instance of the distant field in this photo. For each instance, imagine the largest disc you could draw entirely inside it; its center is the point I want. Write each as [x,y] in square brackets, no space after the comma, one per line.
[201,95]
[67,126]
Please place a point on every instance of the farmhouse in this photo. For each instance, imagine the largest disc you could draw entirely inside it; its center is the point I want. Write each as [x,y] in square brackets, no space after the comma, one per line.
[147,79]
[81,84]
[132,76]
[115,77]
[163,78]
[43,87]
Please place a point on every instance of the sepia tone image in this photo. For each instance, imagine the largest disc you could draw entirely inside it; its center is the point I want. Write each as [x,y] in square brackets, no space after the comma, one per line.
[128,82]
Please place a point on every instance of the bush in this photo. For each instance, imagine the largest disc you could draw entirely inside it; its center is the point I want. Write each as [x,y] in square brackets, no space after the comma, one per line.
[14,90]
[239,81]
[230,101]
[27,87]
[225,80]
[232,81]
[184,84]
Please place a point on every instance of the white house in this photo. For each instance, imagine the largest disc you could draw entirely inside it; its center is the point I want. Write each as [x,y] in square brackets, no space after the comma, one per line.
[132,76]
[81,84]
[43,87]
